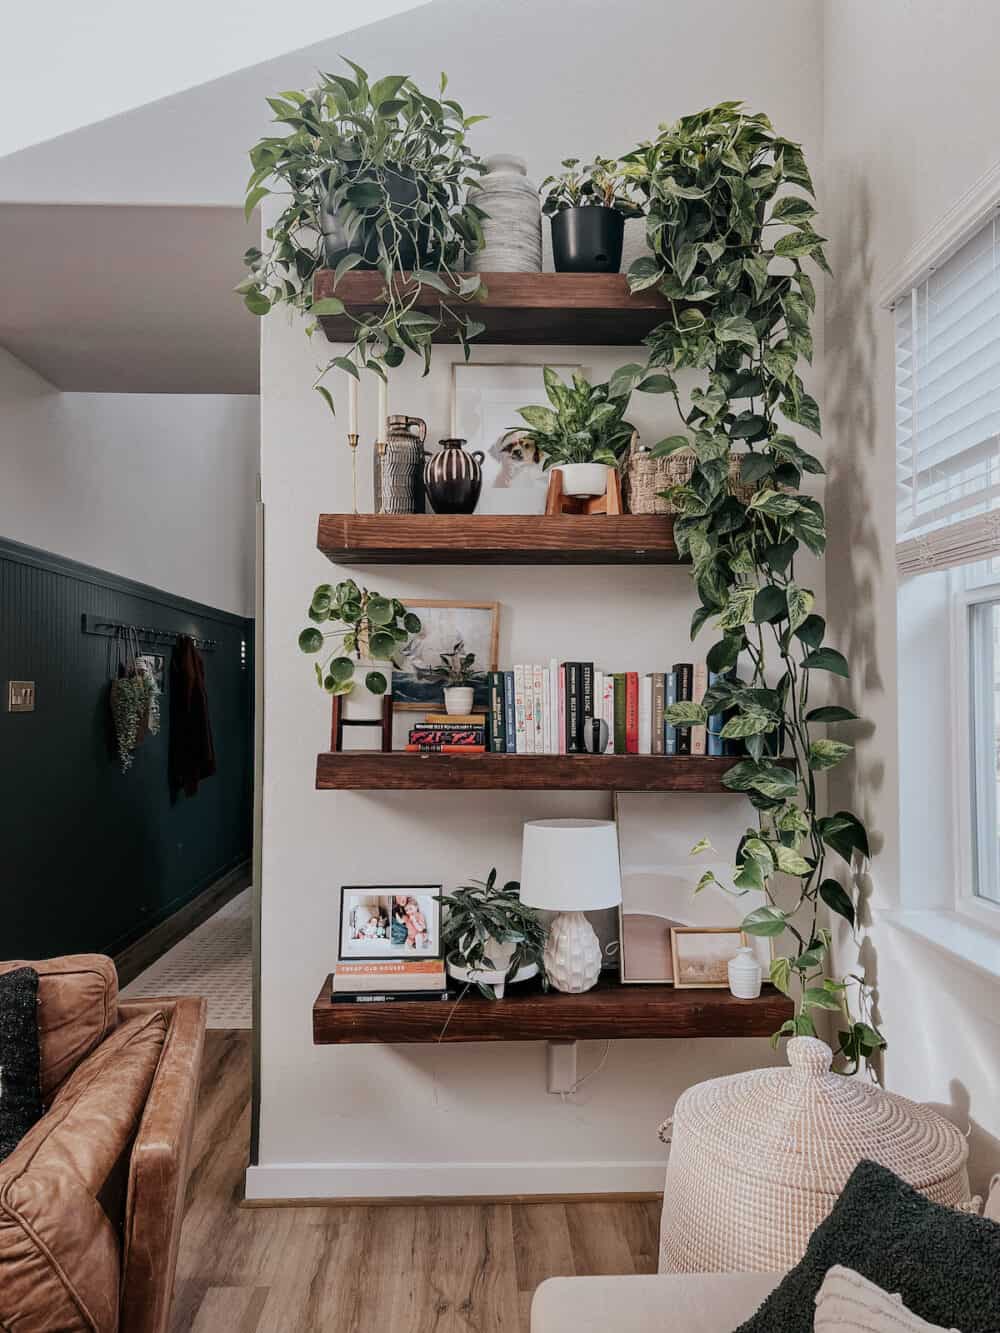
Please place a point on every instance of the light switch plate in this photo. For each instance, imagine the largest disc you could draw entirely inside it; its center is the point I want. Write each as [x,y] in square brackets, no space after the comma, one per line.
[20,696]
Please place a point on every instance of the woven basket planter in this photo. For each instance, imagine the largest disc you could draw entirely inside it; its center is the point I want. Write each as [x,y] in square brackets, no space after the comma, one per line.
[758,1160]
[646,476]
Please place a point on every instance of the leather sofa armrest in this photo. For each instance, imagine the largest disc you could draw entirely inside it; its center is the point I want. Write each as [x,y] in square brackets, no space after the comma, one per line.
[158,1169]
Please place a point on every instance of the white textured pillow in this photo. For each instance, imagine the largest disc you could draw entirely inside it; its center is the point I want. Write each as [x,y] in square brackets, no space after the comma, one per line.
[849,1303]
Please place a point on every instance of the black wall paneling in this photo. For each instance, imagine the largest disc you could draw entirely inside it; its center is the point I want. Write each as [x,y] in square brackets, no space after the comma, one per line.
[91,858]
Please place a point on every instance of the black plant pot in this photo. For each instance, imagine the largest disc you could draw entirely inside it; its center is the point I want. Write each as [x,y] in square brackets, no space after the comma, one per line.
[404,191]
[587,240]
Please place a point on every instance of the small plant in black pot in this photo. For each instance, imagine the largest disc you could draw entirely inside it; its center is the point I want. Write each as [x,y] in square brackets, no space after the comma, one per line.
[588,206]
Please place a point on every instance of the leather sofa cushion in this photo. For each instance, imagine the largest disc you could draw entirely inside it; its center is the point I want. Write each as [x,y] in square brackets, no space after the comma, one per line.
[77,1009]
[60,1256]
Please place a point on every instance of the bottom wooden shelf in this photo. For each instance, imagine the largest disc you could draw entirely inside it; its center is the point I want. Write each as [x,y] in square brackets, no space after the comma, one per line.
[527,1013]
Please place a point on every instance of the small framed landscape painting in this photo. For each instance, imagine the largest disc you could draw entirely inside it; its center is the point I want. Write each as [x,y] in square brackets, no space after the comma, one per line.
[474,625]
[701,954]
[389,921]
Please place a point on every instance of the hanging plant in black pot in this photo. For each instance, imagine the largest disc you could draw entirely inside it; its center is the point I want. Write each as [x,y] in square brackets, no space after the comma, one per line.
[375,176]
[588,207]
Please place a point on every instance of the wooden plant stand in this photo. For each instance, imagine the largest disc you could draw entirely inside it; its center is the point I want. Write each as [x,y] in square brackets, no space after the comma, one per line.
[608,503]
[338,722]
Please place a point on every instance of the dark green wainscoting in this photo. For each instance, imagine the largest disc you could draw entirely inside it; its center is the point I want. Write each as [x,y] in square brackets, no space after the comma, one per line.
[91,858]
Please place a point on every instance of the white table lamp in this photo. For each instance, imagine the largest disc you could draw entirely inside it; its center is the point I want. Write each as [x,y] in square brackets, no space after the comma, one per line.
[570,866]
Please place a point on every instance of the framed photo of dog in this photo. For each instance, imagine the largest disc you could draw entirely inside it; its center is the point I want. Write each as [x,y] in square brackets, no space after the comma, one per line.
[484,411]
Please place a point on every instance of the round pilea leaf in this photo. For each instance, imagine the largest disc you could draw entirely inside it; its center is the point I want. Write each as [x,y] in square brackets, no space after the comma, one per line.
[310,640]
[341,669]
[382,644]
[376,682]
[412,623]
[379,610]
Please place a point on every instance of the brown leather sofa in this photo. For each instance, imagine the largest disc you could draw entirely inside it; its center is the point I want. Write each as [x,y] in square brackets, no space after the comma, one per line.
[92,1199]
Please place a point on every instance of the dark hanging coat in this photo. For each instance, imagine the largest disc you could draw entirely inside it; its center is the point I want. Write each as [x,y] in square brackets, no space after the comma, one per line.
[192,754]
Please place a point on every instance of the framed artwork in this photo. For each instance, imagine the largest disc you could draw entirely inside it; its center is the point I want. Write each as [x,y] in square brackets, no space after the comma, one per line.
[484,410]
[389,921]
[443,625]
[656,831]
[701,954]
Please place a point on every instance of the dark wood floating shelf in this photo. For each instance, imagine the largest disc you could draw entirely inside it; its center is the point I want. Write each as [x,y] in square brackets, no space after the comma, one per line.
[526,1013]
[371,770]
[579,309]
[507,539]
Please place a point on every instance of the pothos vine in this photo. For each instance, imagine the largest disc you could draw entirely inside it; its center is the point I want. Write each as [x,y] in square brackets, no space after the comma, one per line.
[727,248]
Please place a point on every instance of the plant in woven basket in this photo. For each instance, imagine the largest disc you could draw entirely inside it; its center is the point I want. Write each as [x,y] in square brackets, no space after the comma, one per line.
[729,241]
[600,183]
[584,425]
[485,927]
[366,626]
[374,176]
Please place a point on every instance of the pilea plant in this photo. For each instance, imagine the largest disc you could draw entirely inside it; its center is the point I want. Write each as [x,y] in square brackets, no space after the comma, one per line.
[365,624]
[374,175]
[728,245]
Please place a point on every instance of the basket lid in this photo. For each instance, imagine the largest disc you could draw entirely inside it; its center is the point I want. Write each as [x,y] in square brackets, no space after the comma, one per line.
[806,1125]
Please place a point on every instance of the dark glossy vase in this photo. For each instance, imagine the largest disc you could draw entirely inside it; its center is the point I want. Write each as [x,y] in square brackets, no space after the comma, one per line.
[587,240]
[404,191]
[453,478]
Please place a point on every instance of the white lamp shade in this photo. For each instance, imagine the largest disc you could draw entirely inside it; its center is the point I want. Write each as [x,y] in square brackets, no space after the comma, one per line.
[570,865]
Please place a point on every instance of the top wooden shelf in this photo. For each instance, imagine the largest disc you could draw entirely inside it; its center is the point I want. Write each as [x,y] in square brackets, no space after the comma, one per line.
[527,309]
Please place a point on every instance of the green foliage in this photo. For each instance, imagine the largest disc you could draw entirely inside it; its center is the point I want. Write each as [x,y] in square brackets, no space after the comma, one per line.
[351,144]
[457,668]
[584,425]
[599,183]
[728,246]
[364,625]
[479,915]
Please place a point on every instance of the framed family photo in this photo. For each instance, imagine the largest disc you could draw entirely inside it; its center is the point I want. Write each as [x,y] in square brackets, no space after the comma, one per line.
[385,921]
[476,625]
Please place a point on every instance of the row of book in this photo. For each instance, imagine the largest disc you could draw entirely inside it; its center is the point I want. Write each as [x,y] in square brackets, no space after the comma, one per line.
[375,980]
[443,732]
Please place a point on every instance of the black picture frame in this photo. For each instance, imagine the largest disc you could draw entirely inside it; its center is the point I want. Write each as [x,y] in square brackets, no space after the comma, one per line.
[374,947]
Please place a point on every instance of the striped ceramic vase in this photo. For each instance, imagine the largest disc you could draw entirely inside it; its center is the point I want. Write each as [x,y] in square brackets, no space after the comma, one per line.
[453,478]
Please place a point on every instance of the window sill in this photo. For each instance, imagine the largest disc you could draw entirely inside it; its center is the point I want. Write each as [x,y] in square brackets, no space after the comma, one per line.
[949,933]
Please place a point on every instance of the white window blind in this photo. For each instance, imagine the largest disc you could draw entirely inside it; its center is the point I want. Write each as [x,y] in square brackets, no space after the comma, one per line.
[948,410]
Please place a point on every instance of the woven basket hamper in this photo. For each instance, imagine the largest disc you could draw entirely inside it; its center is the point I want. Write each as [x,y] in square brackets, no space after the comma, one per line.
[645,476]
[758,1160]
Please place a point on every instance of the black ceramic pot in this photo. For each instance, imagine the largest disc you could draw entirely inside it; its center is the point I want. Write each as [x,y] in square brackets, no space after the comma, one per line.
[453,478]
[404,191]
[587,240]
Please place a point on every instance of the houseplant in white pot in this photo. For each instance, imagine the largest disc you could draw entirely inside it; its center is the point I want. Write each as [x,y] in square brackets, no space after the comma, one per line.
[365,631]
[490,937]
[584,433]
[458,674]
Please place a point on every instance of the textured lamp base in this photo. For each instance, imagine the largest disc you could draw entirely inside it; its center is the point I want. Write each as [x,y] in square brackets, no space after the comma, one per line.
[572,953]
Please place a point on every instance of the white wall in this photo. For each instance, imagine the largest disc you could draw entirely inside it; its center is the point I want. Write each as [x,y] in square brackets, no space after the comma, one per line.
[909,122]
[475,1119]
[157,487]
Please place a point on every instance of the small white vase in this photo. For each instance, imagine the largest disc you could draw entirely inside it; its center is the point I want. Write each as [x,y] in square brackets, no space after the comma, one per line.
[458,700]
[745,974]
[572,953]
[584,479]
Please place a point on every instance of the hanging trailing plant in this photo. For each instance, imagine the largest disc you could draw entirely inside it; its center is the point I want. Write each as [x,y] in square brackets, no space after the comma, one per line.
[728,245]
[374,175]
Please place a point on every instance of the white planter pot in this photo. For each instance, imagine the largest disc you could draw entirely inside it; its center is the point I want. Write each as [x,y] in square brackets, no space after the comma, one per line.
[458,700]
[584,479]
[745,975]
[361,705]
[496,977]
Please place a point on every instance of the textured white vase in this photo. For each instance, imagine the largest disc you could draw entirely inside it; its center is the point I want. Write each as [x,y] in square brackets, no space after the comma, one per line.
[584,478]
[458,700]
[572,953]
[745,974]
[513,230]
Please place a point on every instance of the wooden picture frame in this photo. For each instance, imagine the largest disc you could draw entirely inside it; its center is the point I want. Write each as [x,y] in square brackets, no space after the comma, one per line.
[678,931]
[403,705]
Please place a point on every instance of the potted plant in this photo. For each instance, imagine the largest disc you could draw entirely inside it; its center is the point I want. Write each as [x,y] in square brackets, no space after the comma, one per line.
[369,629]
[584,433]
[459,676]
[374,176]
[588,206]
[490,937]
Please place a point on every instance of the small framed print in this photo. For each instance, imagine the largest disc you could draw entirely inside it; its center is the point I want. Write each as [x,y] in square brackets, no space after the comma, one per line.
[389,921]
[443,624]
[701,954]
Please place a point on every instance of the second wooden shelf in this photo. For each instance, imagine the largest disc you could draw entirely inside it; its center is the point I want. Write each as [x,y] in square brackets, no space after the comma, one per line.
[370,770]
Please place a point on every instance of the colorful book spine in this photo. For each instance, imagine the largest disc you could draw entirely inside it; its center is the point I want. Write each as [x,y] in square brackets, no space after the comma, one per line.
[546,710]
[715,745]
[573,708]
[498,728]
[553,702]
[631,712]
[608,709]
[699,686]
[520,725]
[619,728]
[562,709]
[586,707]
[669,697]
[529,709]
[412,748]
[656,722]
[684,673]
[510,712]
[538,702]
[447,736]
[598,693]
[646,713]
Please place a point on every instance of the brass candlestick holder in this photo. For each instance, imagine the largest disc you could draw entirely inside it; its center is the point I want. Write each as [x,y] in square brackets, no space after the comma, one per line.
[380,448]
[352,441]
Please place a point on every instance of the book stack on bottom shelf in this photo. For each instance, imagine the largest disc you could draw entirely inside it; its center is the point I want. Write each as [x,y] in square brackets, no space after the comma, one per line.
[381,979]
[444,733]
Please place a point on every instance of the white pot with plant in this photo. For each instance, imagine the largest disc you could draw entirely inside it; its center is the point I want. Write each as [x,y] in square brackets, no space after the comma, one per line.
[368,631]
[584,433]
[490,938]
[458,674]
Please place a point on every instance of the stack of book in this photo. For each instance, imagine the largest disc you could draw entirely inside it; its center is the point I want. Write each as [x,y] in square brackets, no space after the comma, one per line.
[445,733]
[536,709]
[382,979]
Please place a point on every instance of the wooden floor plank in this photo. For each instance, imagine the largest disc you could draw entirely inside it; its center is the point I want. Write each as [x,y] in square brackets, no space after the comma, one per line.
[542,1244]
[234,1308]
[597,1236]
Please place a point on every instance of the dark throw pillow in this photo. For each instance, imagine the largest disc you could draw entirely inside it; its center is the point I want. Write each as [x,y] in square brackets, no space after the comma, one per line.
[20,1090]
[945,1264]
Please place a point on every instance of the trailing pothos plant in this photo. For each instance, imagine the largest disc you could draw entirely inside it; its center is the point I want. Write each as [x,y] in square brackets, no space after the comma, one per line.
[374,175]
[728,242]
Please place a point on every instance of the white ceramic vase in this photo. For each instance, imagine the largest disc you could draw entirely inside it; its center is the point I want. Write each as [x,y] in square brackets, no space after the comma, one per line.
[512,231]
[572,953]
[745,974]
[584,479]
[458,700]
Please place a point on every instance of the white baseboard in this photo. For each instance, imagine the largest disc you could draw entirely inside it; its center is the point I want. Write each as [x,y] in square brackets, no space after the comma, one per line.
[442,1180]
